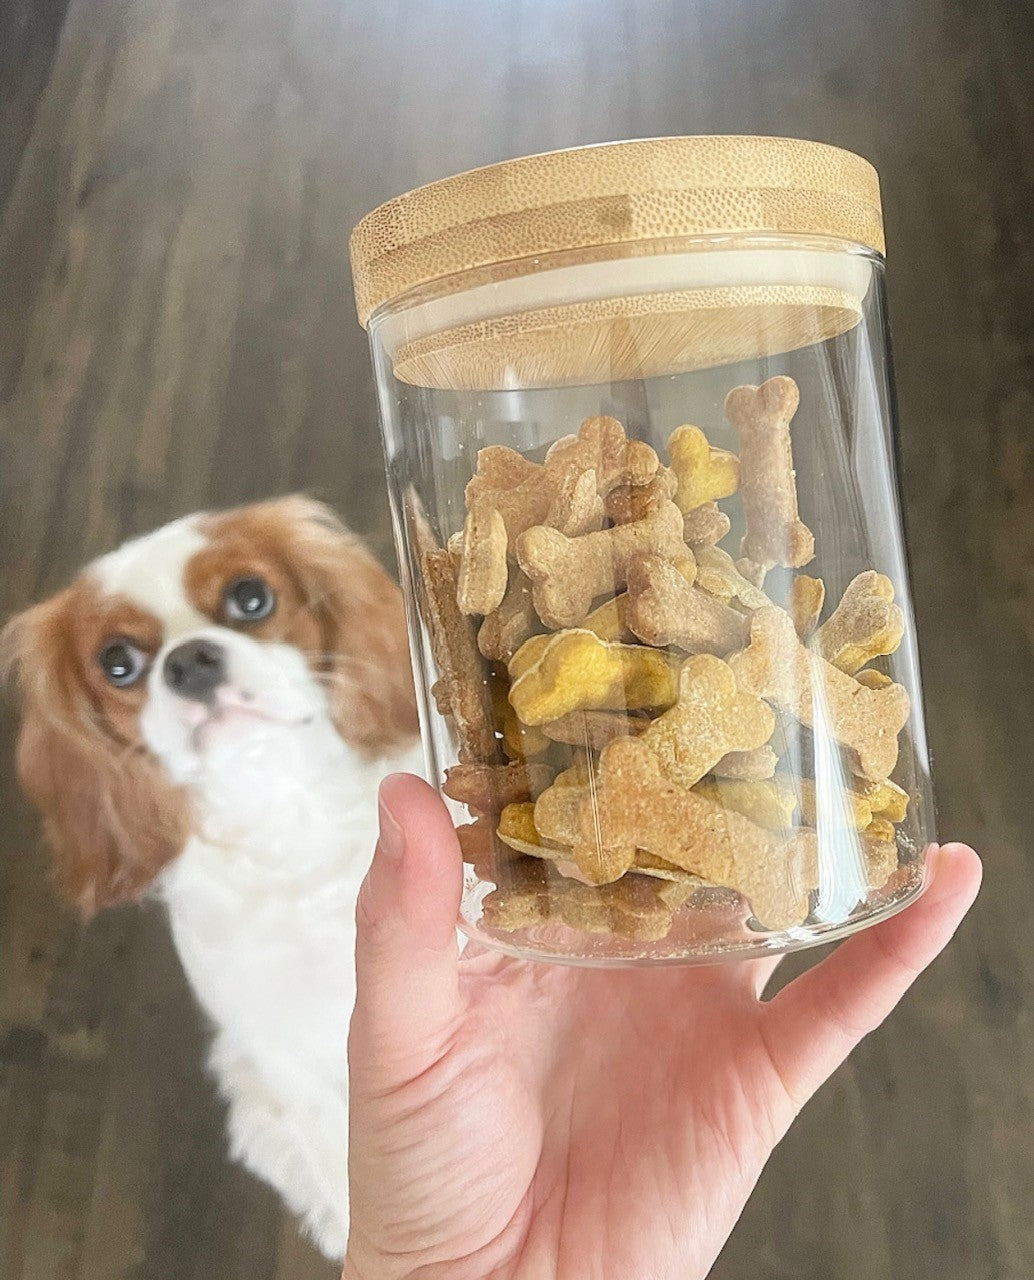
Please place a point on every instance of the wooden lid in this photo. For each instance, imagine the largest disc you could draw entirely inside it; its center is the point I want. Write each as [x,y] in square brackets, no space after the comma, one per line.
[621,193]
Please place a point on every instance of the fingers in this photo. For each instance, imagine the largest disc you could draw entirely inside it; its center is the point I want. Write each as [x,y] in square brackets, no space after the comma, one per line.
[407,981]
[813,1024]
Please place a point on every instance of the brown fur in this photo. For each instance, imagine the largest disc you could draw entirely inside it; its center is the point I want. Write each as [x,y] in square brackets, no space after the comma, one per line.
[110,814]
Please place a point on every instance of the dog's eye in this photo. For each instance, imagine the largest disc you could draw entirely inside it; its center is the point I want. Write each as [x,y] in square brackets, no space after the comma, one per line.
[122,662]
[248,600]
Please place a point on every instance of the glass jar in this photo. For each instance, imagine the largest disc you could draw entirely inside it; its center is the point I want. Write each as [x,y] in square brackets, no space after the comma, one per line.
[638,422]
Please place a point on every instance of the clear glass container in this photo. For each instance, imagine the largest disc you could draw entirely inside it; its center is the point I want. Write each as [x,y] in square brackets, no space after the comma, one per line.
[638,422]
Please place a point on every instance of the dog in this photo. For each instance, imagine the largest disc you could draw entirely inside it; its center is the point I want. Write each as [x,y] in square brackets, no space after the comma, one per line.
[207,713]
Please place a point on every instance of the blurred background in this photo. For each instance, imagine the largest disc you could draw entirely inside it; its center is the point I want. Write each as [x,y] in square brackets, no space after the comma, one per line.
[178,179]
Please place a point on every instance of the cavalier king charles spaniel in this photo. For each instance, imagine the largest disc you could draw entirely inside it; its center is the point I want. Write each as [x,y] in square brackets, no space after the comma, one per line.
[208,712]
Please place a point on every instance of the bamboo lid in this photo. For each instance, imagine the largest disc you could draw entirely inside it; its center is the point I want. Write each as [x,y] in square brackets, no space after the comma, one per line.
[622,193]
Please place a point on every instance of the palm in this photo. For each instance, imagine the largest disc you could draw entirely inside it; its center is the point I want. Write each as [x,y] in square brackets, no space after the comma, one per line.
[537,1120]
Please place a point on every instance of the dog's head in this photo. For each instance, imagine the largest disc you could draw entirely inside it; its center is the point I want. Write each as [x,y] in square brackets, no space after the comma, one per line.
[185,643]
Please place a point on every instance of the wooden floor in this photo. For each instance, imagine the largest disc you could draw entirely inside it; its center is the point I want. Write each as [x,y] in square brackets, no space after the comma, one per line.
[177,182]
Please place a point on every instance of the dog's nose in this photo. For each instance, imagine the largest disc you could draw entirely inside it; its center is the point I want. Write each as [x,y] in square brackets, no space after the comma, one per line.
[195,669]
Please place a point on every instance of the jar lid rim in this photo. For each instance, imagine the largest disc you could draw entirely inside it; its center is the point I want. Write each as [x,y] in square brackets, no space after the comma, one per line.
[614,193]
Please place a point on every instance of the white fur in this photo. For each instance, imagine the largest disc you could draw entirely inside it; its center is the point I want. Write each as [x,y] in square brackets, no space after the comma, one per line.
[262,898]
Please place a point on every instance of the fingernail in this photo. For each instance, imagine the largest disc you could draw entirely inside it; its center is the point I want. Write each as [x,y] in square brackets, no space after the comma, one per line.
[392,840]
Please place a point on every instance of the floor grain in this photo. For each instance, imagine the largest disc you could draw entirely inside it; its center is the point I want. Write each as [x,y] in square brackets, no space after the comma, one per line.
[177,183]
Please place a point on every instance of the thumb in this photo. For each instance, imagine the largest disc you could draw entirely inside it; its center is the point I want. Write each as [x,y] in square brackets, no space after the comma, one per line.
[407,973]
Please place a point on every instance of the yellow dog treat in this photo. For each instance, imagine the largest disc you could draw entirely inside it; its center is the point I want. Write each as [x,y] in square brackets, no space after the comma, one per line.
[601,446]
[880,829]
[528,654]
[844,805]
[770,804]
[866,624]
[761,417]
[579,672]
[806,599]
[711,718]
[638,807]
[886,799]
[665,609]
[703,472]
[482,574]
[776,666]
[610,620]
[517,828]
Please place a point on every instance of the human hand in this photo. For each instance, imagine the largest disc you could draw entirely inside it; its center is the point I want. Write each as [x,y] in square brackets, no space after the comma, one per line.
[521,1121]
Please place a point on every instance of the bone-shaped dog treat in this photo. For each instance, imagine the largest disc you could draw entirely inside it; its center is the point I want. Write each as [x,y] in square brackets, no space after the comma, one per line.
[637,806]
[776,666]
[844,805]
[602,446]
[705,525]
[664,609]
[506,628]
[521,741]
[747,766]
[594,729]
[703,472]
[485,788]
[718,575]
[635,502]
[482,574]
[521,491]
[770,803]
[577,507]
[885,799]
[579,672]
[567,574]
[806,599]
[711,718]
[768,486]
[610,620]
[866,624]
[462,685]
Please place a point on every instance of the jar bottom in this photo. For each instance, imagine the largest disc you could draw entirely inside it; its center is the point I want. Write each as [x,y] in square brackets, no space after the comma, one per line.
[711,928]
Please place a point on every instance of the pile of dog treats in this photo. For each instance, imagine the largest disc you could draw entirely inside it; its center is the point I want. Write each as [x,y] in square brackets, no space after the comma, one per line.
[622,691]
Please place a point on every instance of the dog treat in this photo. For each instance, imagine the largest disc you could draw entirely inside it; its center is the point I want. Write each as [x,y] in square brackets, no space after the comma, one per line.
[776,666]
[577,507]
[768,486]
[702,471]
[610,620]
[579,672]
[594,729]
[770,804]
[486,788]
[480,847]
[568,574]
[881,829]
[528,654]
[636,806]
[664,609]
[521,491]
[747,766]
[635,502]
[845,806]
[506,628]
[866,624]
[881,857]
[602,446]
[873,679]
[885,799]
[754,573]
[463,686]
[705,525]
[718,575]
[481,578]
[806,598]
[711,718]
[521,741]
[517,828]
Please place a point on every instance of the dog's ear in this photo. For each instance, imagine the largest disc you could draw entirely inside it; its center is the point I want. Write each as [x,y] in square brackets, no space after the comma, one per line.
[361,611]
[110,816]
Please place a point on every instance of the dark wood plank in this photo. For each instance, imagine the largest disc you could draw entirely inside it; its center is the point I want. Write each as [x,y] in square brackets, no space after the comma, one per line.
[176,330]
